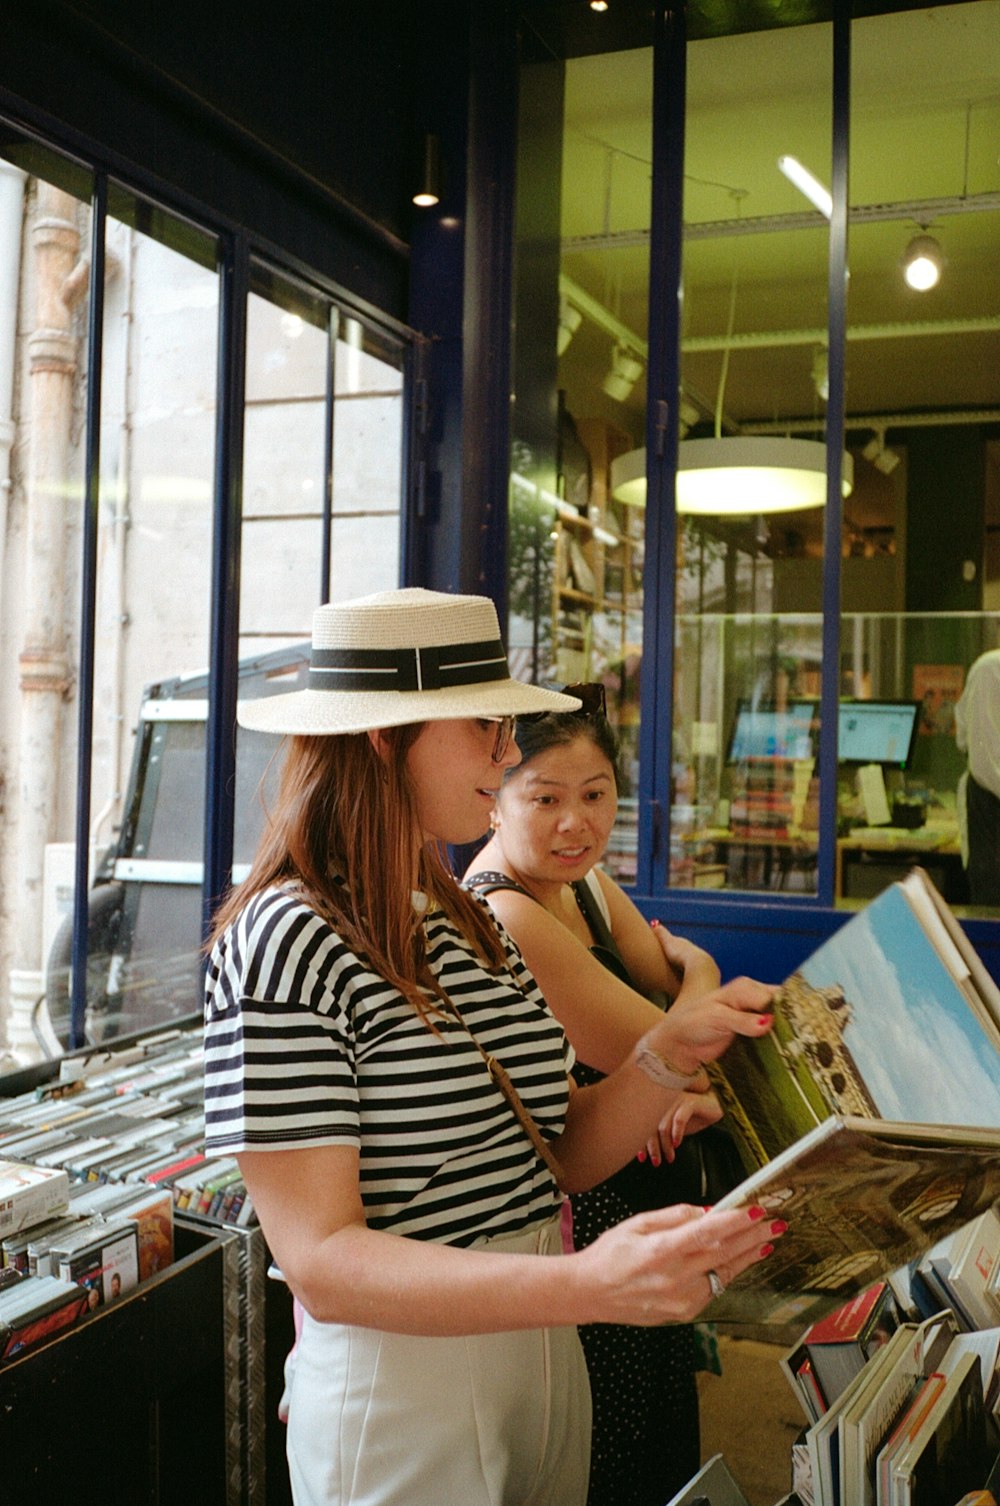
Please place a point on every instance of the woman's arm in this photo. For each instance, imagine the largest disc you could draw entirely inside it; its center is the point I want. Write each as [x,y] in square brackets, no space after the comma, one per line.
[654,965]
[648,1270]
[608,1123]
[602,1016]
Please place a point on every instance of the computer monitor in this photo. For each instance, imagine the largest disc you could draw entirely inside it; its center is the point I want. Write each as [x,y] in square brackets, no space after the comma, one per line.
[763,732]
[881,732]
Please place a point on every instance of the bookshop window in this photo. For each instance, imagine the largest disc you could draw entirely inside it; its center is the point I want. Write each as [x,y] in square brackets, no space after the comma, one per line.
[576,550]
[322,486]
[748,624]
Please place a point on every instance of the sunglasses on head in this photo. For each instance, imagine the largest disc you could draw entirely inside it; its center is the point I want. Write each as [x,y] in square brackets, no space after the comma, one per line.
[592,697]
[593,702]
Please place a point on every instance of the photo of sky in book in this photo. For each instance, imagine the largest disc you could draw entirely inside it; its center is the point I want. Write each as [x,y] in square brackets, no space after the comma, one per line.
[917,1044]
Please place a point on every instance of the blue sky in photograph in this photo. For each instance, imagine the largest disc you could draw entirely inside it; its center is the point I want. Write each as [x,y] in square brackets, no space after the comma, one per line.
[917,1042]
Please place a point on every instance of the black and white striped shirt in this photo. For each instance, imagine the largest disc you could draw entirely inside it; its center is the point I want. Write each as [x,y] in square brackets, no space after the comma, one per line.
[306,1046]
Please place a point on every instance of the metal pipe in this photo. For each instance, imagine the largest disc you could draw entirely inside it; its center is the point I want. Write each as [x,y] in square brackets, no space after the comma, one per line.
[44,668]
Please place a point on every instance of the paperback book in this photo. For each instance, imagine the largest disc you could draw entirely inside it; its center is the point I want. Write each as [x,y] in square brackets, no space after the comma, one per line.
[869,1118]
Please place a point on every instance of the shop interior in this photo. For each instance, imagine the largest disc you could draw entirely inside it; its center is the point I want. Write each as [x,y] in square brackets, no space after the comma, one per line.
[919,547]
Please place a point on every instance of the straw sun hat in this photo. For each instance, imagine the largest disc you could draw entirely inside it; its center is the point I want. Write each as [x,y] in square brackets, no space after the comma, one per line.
[398,657]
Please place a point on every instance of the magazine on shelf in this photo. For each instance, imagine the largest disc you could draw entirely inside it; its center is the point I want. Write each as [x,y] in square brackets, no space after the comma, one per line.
[869,1118]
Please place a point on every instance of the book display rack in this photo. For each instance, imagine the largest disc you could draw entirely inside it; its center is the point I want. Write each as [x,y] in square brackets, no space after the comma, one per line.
[165,1391]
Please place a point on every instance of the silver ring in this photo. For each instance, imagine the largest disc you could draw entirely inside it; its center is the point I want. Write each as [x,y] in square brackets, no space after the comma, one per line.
[716,1282]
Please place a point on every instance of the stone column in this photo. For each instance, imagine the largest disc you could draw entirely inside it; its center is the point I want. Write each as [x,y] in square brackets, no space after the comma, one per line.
[45,672]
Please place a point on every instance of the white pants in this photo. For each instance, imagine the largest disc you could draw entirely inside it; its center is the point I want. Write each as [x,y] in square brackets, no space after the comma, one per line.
[383,1419]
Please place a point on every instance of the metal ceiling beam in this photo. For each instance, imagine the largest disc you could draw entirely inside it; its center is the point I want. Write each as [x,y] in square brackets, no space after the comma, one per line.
[920,210]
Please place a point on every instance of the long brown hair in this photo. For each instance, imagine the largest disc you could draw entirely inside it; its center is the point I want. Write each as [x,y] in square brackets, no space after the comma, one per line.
[342,829]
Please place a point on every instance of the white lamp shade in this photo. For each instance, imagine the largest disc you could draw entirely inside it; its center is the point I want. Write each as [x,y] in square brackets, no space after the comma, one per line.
[740,475]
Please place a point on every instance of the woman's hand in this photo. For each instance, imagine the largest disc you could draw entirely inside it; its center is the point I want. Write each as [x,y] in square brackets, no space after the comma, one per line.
[653,1268]
[700,1027]
[692,1112]
[694,968]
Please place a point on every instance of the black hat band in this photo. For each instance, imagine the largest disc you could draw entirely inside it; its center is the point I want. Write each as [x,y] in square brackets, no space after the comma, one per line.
[434,668]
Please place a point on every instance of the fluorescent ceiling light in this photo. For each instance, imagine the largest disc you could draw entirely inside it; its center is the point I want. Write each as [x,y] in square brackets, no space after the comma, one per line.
[742,475]
[807,183]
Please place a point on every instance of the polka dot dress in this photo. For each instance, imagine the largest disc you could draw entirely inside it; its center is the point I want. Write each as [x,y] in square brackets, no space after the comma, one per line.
[646,1443]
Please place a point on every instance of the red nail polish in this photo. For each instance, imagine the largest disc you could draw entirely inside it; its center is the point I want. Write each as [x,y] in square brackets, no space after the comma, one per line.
[641,1156]
[766,1250]
[756,1212]
[779,1226]
[763,1020]
[655,1160]
[654,924]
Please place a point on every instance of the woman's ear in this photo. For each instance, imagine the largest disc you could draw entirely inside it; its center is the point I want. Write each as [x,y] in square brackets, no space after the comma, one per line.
[376,736]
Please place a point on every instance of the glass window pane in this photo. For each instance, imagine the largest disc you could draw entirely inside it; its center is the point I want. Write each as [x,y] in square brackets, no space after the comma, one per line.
[923,393]
[158,417]
[748,630]
[315,379]
[576,551]
[44,252]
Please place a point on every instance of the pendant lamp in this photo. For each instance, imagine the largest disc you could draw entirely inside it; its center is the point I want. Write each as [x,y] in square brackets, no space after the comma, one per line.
[738,475]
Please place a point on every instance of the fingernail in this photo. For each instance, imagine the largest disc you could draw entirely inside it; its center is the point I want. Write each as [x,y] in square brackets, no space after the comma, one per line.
[654,924]
[756,1212]
[765,1250]
[655,1160]
[706,1207]
[641,1156]
[779,1226]
[763,1020]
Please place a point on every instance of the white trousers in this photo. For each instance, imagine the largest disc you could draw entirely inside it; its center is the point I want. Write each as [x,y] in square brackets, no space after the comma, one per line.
[383,1419]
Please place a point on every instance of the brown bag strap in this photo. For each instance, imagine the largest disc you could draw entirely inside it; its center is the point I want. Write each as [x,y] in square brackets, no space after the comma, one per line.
[499,1075]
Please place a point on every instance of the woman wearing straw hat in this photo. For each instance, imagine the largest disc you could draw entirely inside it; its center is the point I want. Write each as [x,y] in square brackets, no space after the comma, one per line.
[396,1091]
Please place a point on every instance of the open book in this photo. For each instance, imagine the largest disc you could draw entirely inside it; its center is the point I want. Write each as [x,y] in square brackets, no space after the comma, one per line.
[869,1119]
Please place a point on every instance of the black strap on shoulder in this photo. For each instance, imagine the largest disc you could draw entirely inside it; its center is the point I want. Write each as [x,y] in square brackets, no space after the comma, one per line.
[491,879]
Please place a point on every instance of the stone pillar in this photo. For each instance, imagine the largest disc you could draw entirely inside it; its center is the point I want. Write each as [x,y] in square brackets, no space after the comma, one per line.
[45,672]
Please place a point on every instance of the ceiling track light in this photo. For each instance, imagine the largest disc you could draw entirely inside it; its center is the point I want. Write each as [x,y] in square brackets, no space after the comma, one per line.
[882,458]
[428,190]
[570,320]
[923,261]
[626,369]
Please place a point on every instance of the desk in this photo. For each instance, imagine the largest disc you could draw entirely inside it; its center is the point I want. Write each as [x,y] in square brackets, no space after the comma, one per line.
[867,862]
[753,862]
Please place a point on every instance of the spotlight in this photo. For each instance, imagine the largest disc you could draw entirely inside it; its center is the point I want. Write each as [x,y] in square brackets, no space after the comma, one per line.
[882,459]
[428,191]
[569,322]
[626,369]
[922,263]
[599,5]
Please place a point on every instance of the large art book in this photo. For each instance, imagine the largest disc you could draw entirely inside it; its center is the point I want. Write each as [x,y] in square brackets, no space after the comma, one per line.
[869,1119]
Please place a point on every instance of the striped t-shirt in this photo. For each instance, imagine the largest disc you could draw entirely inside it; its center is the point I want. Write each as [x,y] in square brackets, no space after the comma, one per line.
[306,1046]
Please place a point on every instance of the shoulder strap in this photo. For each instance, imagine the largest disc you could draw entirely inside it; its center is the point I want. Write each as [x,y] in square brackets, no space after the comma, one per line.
[490,879]
[593,908]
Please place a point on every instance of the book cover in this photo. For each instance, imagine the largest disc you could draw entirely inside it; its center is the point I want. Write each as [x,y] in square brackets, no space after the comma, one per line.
[948,1453]
[839,1345]
[973,1260]
[107,1264]
[713,1485]
[869,1117]
[30,1194]
[860,1197]
[877,1022]
[44,1308]
[892,1377]
[152,1212]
